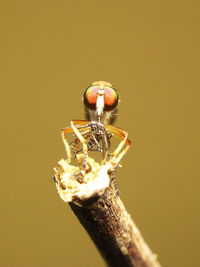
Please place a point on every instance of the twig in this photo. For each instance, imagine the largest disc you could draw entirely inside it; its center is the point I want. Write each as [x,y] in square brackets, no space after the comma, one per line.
[93,197]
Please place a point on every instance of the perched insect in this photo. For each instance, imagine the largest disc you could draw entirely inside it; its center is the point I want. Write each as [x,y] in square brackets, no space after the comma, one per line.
[101,99]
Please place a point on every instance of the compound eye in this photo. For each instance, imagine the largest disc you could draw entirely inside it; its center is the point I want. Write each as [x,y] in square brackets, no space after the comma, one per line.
[90,97]
[110,98]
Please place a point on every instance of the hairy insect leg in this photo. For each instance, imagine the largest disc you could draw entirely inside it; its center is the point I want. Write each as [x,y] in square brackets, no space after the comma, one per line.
[106,146]
[83,124]
[81,138]
[117,158]
[123,136]
[96,142]
[67,147]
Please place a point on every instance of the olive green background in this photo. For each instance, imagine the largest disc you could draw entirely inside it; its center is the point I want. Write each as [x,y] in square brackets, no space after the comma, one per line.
[50,51]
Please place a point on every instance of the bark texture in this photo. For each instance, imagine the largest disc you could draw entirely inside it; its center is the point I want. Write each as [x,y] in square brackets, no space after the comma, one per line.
[113,231]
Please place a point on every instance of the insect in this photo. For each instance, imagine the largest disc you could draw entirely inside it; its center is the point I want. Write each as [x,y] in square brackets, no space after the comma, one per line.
[101,99]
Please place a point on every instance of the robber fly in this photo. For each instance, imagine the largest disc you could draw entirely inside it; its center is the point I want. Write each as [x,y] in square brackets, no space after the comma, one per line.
[101,99]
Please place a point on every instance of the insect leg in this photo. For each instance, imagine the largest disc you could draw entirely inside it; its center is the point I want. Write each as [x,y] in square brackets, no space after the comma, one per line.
[70,129]
[123,136]
[83,141]
[95,141]
[105,146]
[67,147]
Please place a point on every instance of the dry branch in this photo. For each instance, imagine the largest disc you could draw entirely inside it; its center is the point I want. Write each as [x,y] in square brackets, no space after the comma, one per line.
[94,198]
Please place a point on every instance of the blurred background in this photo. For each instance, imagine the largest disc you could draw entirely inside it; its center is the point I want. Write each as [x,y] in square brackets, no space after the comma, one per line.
[50,52]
